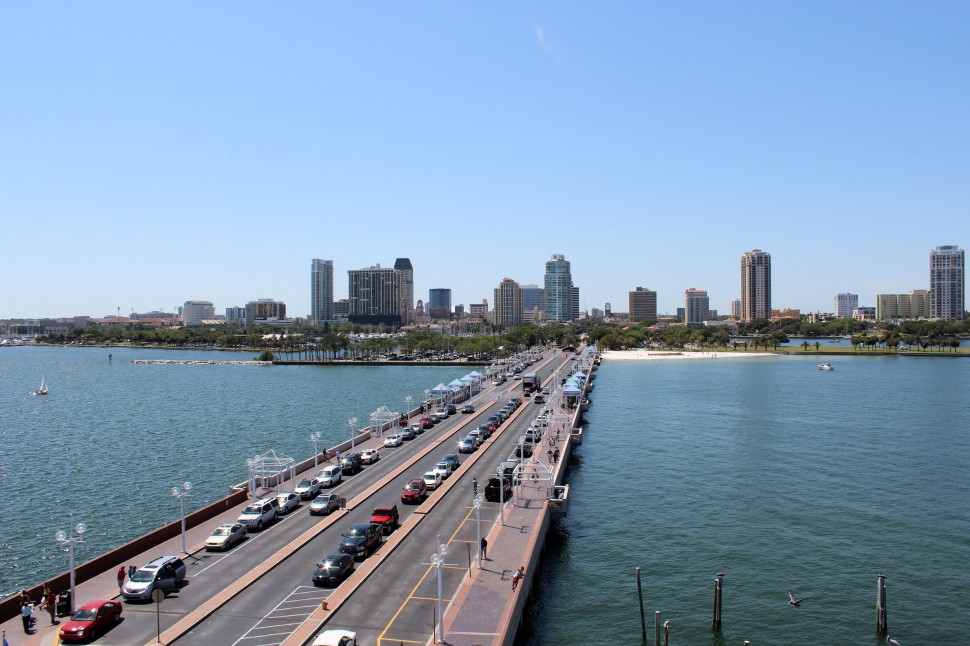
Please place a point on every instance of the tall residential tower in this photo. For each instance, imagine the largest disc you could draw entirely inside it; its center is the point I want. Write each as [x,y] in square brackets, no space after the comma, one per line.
[321,291]
[558,289]
[947,287]
[755,285]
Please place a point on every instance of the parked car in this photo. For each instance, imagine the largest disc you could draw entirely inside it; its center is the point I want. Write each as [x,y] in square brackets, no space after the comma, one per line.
[351,464]
[259,513]
[432,479]
[496,491]
[451,409]
[288,501]
[164,573]
[494,420]
[369,456]
[387,517]
[417,428]
[408,434]
[90,621]
[452,460]
[225,536]
[325,504]
[415,491]
[361,540]
[523,450]
[426,421]
[479,437]
[441,413]
[394,439]
[467,444]
[333,569]
[308,488]
[336,637]
[329,476]
[443,469]
[467,408]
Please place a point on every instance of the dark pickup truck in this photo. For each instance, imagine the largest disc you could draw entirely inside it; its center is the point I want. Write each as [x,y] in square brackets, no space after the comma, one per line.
[386,517]
[361,540]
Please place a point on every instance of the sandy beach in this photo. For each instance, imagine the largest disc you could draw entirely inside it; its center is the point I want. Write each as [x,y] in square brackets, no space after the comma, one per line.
[661,355]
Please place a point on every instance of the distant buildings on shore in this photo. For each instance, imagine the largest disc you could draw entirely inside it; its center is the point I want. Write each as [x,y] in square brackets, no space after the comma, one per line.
[385,296]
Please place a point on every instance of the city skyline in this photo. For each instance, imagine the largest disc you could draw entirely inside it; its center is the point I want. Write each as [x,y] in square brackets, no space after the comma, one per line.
[648,144]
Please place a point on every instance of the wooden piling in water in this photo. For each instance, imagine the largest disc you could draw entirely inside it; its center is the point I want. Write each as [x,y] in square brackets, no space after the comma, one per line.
[718,598]
[882,621]
[666,633]
[643,619]
[656,628]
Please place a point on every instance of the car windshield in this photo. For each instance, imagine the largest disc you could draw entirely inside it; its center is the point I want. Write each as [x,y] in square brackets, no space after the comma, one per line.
[356,532]
[221,531]
[253,510]
[305,483]
[143,576]
[85,614]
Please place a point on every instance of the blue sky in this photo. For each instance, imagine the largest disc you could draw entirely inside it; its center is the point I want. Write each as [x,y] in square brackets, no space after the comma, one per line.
[152,153]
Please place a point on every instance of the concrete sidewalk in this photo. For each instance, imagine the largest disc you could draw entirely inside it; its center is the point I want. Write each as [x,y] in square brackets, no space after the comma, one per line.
[486,610]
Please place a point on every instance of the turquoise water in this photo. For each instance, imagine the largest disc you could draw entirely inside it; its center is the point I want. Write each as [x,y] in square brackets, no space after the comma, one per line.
[782,476]
[111,440]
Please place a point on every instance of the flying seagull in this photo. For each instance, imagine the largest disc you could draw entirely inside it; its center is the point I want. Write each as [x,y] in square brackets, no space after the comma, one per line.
[891,641]
[792,601]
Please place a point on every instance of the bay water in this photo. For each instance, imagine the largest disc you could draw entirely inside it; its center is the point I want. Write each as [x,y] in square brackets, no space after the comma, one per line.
[782,476]
[109,442]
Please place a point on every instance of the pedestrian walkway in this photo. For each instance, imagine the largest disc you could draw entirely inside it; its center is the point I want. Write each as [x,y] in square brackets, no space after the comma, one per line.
[486,610]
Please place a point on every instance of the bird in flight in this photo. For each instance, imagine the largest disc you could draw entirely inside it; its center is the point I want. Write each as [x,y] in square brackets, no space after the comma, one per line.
[792,601]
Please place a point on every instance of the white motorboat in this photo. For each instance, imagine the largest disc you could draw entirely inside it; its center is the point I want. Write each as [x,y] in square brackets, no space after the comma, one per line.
[825,366]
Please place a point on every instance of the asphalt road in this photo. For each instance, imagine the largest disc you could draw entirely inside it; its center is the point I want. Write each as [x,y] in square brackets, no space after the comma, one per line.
[398,597]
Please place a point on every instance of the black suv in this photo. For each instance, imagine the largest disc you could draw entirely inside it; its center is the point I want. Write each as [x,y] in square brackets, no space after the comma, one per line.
[361,540]
[351,463]
[492,491]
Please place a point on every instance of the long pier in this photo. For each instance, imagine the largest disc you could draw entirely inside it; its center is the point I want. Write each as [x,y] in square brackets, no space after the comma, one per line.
[392,588]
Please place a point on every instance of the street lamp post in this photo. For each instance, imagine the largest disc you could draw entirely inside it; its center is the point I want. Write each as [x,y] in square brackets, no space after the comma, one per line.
[352,423]
[438,560]
[68,541]
[501,496]
[407,407]
[315,437]
[427,399]
[181,493]
[478,523]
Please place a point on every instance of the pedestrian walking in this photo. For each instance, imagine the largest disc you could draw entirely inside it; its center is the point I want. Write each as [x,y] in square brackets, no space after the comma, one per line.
[121,577]
[131,571]
[549,455]
[474,486]
[326,455]
[25,612]
[555,456]
[518,576]
[484,549]
[51,600]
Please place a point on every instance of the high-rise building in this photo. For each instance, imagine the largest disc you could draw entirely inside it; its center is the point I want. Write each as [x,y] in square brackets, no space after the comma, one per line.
[321,291]
[919,303]
[375,296]
[755,285]
[575,310]
[508,304]
[478,310]
[236,314]
[947,287]
[265,310]
[558,289]
[736,309]
[914,305]
[439,303]
[194,312]
[407,284]
[643,305]
[697,306]
[844,304]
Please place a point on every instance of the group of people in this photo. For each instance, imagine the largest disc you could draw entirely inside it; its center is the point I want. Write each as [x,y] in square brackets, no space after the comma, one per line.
[48,601]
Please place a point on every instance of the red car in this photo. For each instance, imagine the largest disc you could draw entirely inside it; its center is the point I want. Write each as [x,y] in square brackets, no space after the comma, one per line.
[415,491]
[426,422]
[91,620]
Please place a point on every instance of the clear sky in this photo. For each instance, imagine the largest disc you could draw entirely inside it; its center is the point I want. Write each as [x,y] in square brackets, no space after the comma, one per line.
[158,152]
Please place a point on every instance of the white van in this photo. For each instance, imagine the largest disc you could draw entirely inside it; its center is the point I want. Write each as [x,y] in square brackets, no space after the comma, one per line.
[329,476]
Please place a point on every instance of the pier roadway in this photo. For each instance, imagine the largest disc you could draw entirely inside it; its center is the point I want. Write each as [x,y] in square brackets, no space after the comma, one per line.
[232,597]
[279,602]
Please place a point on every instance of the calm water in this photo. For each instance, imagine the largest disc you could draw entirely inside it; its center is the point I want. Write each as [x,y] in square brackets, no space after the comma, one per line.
[111,440]
[780,475]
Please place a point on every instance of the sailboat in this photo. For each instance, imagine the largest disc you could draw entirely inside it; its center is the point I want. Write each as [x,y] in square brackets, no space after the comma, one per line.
[43,387]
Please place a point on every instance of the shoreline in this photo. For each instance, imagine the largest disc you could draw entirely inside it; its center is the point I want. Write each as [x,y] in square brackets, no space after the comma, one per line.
[674,355]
